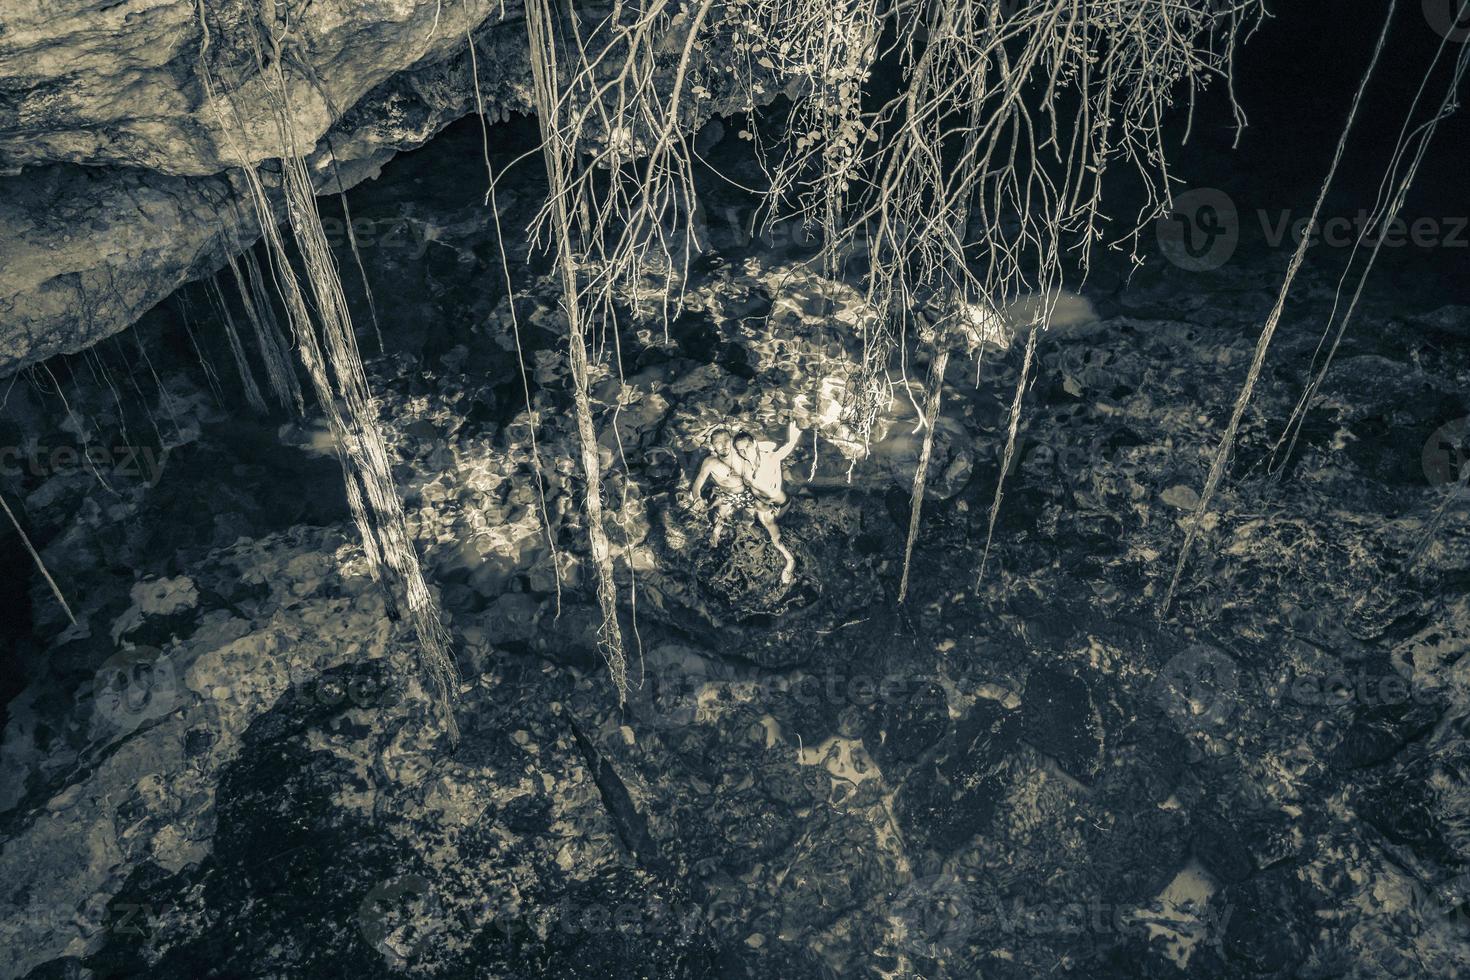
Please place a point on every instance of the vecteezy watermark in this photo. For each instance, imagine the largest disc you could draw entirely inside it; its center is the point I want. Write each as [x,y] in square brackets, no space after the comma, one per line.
[1341,687]
[1203,229]
[140,685]
[133,687]
[936,916]
[1446,453]
[400,233]
[1448,899]
[401,917]
[1199,689]
[100,913]
[671,698]
[143,462]
[1449,18]
[1340,231]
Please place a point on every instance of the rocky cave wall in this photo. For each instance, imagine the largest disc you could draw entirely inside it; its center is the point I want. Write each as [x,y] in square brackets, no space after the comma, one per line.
[117,183]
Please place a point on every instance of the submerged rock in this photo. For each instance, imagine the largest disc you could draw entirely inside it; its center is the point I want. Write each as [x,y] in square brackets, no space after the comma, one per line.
[1061,720]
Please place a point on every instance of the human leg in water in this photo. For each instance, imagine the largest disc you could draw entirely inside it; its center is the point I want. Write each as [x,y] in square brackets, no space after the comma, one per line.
[767,516]
[723,511]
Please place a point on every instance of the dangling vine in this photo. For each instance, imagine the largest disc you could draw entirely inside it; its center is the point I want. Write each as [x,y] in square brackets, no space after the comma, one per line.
[956,186]
[334,363]
[971,183]
[558,153]
[1222,454]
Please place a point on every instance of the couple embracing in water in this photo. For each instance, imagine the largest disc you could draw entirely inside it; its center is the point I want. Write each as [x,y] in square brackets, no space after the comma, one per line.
[747,477]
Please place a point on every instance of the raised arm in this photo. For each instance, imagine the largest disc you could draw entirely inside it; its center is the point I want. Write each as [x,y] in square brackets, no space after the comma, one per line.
[792,434]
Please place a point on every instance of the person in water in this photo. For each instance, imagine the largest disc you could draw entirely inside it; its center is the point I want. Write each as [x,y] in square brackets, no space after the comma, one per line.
[719,468]
[747,477]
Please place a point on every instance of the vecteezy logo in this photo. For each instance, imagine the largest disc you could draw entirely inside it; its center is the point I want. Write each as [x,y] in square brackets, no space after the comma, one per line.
[1447,452]
[135,686]
[669,697]
[1449,18]
[1197,688]
[1200,232]
[934,916]
[387,920]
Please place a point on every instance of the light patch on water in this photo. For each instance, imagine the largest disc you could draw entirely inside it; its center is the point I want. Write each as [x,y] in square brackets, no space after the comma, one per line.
[1181,914]
[1068,311]
[155,597]
[844,758]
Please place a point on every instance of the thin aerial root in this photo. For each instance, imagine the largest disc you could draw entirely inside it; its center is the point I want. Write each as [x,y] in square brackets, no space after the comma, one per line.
[164,396]
[35,556]
[334,364]
[556,152]
[87,455]
[916,502]
[210,374]
[274,349]
[1227,440]
[137,389]
[237,350]
[515,324]
[1382,217]
[1010,450]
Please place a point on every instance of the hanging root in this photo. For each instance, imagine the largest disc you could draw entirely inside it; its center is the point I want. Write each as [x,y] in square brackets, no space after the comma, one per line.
[274,350]
[1385,213]
[81,429]
[237,350]
[210,375]
[515,323]
[335,367]
[958,185]
[1227,440]
[558,154]
[36,557]
[1010,450]
[916,501]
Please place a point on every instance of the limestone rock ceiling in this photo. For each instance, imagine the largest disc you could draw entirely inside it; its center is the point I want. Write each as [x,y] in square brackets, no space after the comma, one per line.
[116,183]
[99,82]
